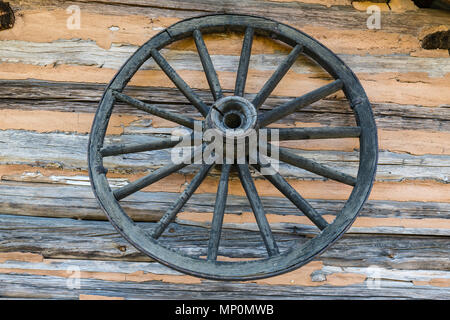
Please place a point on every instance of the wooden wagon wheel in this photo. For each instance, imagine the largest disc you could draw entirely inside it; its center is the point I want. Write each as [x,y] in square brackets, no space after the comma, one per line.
[276,262]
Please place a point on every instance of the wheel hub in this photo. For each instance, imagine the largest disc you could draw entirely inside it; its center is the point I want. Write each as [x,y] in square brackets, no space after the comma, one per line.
[233,116]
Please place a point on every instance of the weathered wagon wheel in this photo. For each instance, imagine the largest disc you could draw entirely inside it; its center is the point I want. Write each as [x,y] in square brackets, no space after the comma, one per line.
[221,115]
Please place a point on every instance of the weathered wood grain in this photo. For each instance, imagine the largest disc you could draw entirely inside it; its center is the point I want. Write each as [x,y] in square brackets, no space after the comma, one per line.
[69,238]
[68,151]
[106,27]
[302,14]
[78,202]
[98,63]
[50,279]
[87,53]
[48,287]
[12,262]
[84,98]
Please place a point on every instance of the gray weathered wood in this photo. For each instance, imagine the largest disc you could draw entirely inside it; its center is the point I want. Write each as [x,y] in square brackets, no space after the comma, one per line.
[71,197]
[390,284]
[75,97]
[68,151]
[50,287]
[298,161]
[88,53]
[303,14]
[68,238]
[78,202]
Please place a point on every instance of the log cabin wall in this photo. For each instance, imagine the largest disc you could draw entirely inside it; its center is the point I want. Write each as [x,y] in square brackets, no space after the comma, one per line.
[51,80]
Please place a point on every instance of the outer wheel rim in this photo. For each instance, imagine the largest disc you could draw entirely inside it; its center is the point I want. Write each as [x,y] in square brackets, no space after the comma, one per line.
[297,255]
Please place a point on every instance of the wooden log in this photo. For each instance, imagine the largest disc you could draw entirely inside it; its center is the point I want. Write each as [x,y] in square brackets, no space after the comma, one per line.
[48,287]
[30,95]
[104,63]
[304,14]
[68,151]
[87,53]
[75,200]
[105,27]
[69,238]
[54,279]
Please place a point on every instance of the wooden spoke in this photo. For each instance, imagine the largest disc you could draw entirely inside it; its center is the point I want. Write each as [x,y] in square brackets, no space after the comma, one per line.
[244,61]
[316,133]
[123,148]
[208,66]
[300,102]
[171,116]
[219,210]
[170,214]
[312,166]
[153,177]
[282,69]
[289,192]
[258,210]
[179,83]
[141,183]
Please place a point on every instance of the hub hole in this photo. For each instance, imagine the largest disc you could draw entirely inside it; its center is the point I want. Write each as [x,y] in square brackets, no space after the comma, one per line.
[232,120]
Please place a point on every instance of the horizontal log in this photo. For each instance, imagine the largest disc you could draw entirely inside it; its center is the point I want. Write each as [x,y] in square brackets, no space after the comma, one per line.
[69,151]
[419,142]
[69,238]
[76,200]
[377,217]
[431,89]
[50,287]
[124,270]
[304,14]
[106,29]
[315,189]
[408,83]
[88,53]
[120,26]
[49,279]
[30,95]
[379,90]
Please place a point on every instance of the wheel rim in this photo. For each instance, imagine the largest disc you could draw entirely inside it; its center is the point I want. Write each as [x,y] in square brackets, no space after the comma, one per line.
[209,267]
